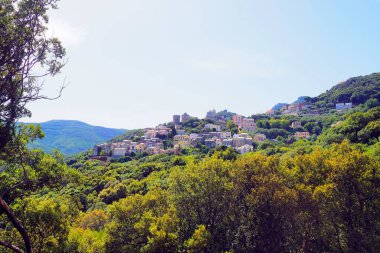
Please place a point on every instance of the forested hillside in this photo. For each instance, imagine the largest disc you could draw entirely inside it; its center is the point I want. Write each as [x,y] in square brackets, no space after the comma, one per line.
[357,90]
[317,195]
[71,137]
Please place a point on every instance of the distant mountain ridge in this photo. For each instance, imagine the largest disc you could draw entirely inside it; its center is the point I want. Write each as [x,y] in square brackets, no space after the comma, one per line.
[72,136]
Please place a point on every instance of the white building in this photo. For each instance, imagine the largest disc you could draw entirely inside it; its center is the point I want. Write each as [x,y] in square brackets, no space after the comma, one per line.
[245,149]
[212,127]
[225,135]
[193,136]
[343,106]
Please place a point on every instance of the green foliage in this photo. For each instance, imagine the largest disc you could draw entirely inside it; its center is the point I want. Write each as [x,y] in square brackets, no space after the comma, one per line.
[289,196]
[142,224]
[198,241]
[360,127]
[303,197]
[201,195]
[88,234]
[47,220]
[232,127]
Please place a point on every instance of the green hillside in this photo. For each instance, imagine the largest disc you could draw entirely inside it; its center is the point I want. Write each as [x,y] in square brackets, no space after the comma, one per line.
[357,90]
[319,194]
[71,137]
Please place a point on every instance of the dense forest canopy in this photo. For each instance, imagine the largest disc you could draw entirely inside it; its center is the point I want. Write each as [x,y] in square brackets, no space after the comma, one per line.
[320,194]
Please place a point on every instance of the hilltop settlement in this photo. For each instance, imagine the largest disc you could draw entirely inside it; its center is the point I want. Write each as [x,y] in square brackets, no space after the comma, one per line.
[215,130]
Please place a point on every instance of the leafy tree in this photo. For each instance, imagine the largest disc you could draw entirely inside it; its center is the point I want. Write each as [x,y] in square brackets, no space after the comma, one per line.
[142,224]
[349,200]
[232,127]
[88,234]
[202,194]
[25,173]
[357,127]
[47,220]
[24,46]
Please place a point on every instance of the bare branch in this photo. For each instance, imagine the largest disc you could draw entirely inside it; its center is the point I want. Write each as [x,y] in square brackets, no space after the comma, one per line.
[11,246]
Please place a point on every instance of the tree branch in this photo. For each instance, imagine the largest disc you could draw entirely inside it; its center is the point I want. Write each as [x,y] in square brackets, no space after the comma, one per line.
[11,246]
[11,216]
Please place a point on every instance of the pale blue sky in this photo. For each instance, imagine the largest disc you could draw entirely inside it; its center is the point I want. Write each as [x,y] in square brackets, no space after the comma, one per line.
[135,63]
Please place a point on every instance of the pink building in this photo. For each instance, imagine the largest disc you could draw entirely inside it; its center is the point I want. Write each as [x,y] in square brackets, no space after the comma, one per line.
[237,119]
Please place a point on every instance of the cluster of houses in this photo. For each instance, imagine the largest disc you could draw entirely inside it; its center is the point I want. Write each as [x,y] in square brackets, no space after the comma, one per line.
[241,142]
[151,142]
[295,109]
[298,109]
[303,108]
[299,135]
[156,140]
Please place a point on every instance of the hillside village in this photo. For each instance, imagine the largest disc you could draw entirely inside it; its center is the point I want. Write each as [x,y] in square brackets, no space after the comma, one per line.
[172,137]
[155,140]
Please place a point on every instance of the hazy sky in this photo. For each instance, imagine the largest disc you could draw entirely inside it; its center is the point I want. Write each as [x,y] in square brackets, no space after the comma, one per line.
[135,63]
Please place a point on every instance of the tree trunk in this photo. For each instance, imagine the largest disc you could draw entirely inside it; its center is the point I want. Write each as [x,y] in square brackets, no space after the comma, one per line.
[7,210]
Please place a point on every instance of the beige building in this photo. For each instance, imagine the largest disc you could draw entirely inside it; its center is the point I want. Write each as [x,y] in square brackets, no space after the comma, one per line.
[302,135]
[259,137]
[248,125]
[117,152]
[180,138]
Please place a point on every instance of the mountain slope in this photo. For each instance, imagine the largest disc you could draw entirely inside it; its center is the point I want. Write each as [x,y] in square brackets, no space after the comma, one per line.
[279,106]
[357,90]
[71,137]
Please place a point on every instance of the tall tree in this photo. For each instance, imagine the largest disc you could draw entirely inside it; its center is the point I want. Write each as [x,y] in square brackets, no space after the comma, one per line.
[23,47]
[27,55]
